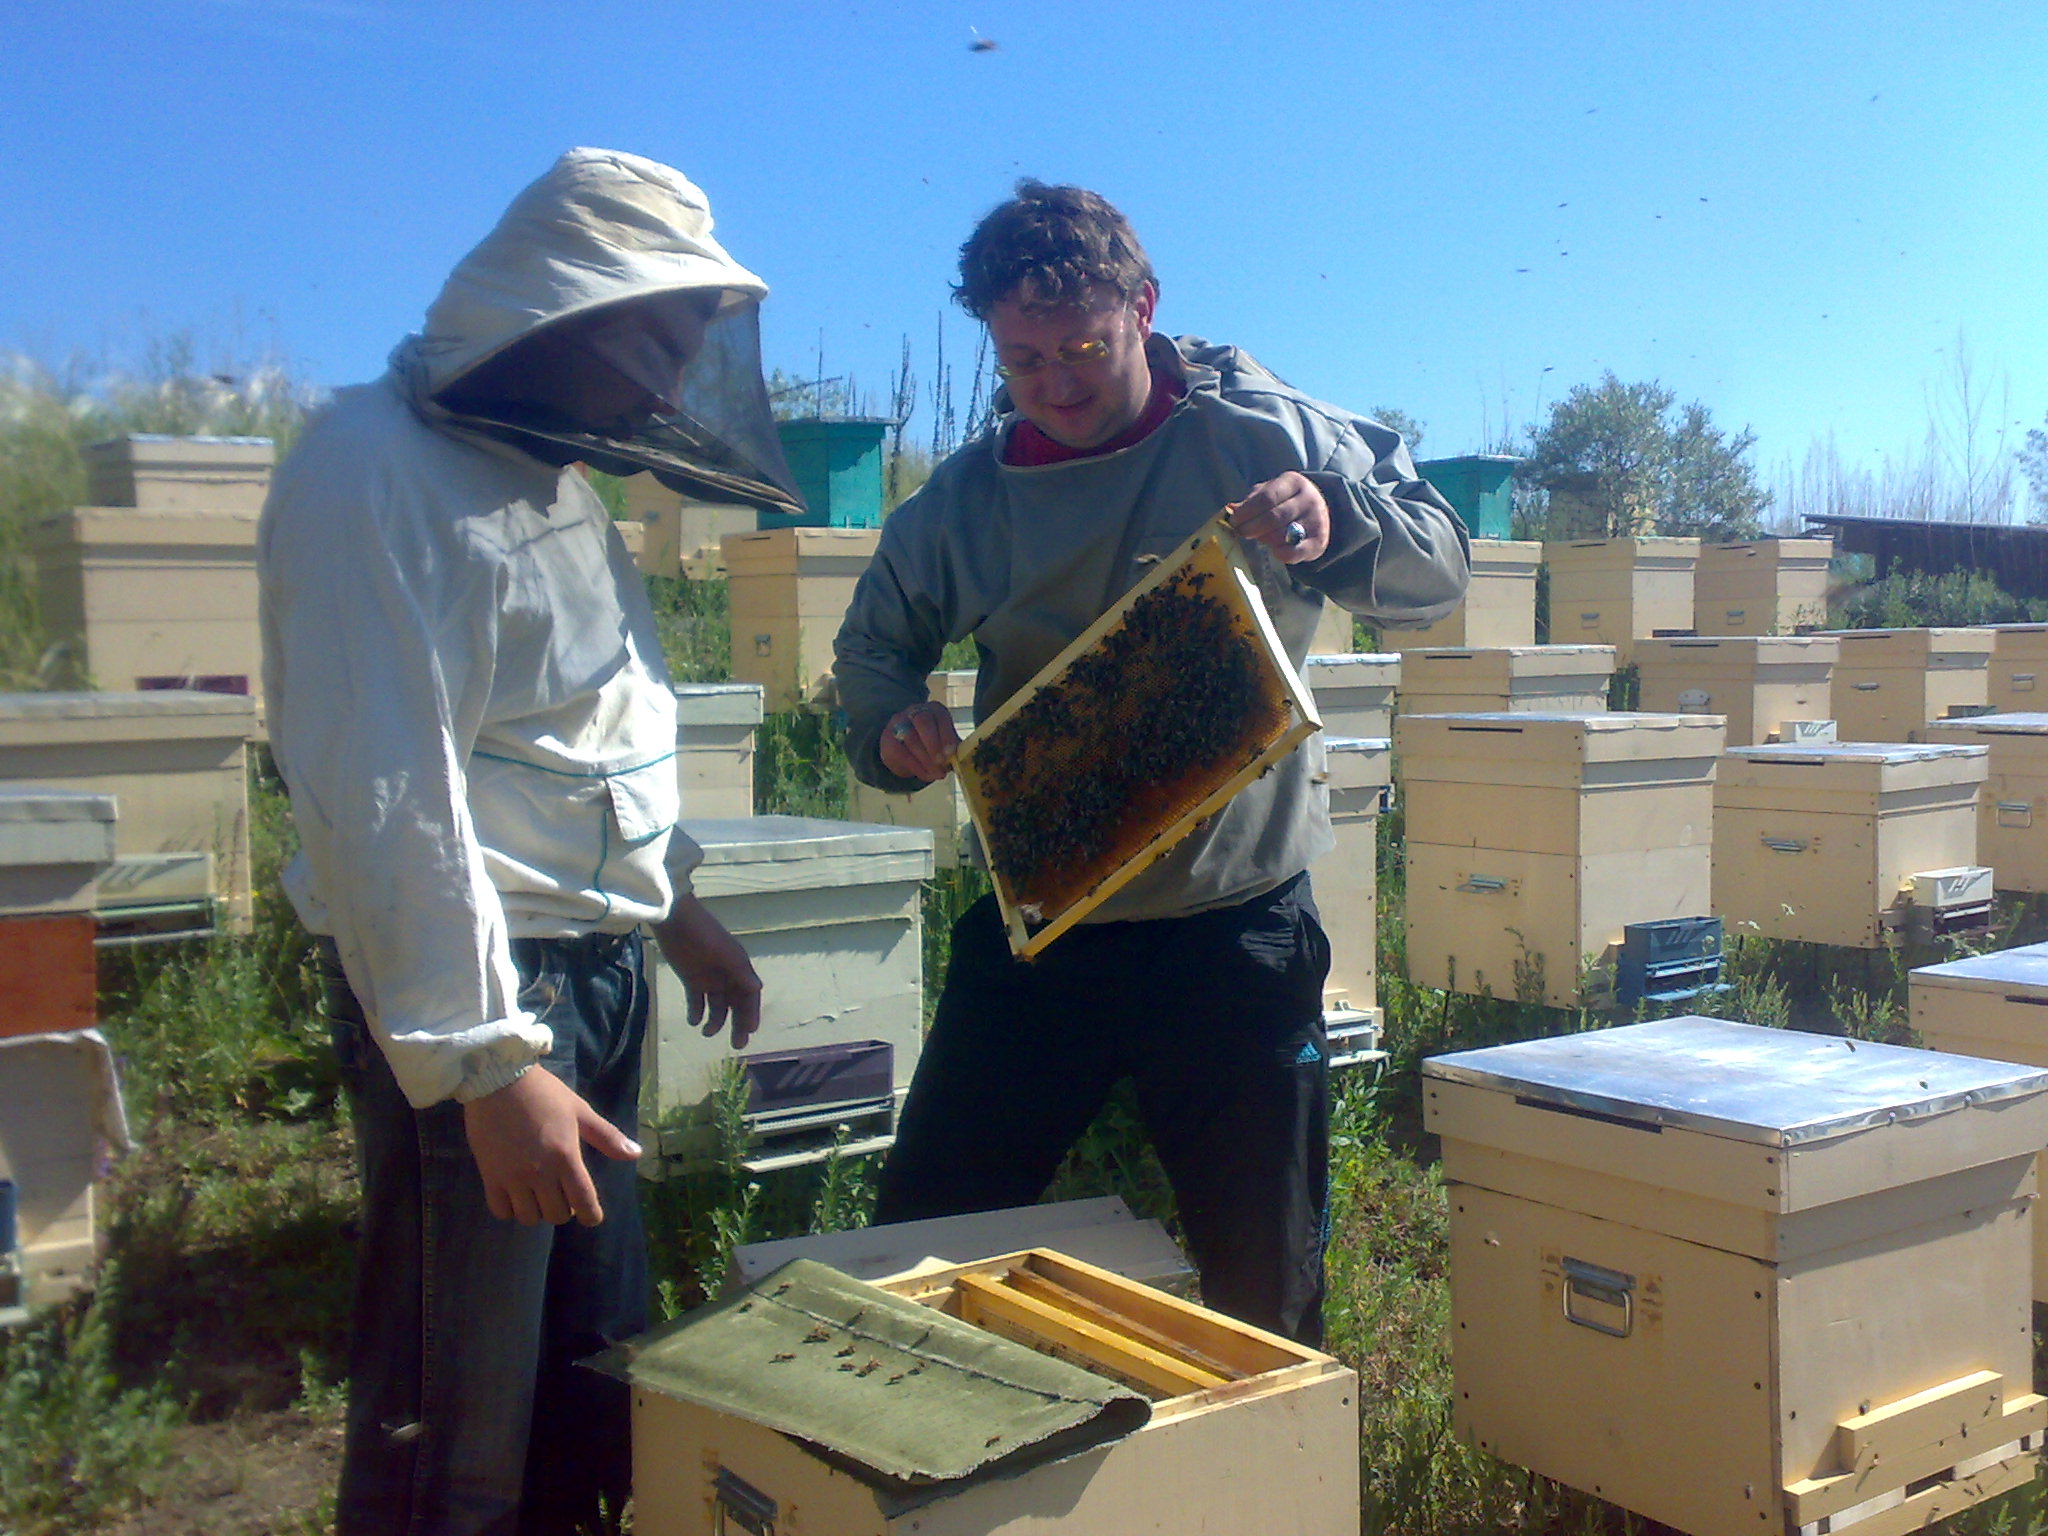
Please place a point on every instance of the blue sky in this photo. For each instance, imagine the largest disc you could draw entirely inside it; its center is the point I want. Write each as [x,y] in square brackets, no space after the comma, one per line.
[1787,211]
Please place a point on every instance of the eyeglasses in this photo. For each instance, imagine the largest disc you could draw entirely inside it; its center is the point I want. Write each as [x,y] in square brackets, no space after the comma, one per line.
[1073,356]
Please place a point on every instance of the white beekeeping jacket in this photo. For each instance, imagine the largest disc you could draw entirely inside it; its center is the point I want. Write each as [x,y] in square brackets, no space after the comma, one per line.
[465,689]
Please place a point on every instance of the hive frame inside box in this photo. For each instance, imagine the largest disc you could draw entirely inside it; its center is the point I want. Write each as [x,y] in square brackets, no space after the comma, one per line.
[1214,550]
[1272,1445]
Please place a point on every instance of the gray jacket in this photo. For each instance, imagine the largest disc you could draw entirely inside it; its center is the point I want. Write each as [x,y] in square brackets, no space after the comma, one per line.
[1024,559]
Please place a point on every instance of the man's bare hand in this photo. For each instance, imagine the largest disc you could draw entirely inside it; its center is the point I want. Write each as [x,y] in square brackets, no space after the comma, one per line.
[919,742]
[717,976]
[1288,515]
[528,1141]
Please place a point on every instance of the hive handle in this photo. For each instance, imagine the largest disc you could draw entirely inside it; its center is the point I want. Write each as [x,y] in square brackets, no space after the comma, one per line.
[1601,1286]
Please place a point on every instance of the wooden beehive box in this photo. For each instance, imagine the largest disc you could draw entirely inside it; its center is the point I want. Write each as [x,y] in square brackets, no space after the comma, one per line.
[715,725]
[152,599]
[60,1106]
[1762,586]
[1346,879]
[158,473]
[1820,841]
[1543,679]
[1994,1006]
[941,807]
[176,763]
[1149,722]
[1499,606]
[1741,1279]
[1246,1431]
[1533,840]
[1354,694]
[1889,683]
[54,843]
[790,589]
[2012,809]
[829,913]
[1758,682]
[2017,678]
[1618,591]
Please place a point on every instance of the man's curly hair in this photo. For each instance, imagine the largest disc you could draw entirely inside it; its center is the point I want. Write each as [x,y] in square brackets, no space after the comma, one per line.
[1048,247]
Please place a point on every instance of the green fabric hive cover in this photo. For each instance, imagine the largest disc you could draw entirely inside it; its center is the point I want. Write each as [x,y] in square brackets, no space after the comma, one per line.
[901,1394]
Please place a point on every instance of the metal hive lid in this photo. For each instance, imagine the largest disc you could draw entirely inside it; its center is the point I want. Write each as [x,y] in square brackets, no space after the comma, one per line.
[2025,966]
[1773,1087]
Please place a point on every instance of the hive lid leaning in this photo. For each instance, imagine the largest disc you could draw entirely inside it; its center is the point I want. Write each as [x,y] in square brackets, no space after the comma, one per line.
[1771,1087]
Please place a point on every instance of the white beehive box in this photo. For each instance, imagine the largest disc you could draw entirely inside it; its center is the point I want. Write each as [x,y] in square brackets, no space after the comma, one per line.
[940,808]
[152,599]
[1889,683]
[1269,1444]
[1741,1279]
[1762,586]
[59,1107]
[1499,606]
[790,589]
[715,725]
[1354,694]
[1761,683]
[1534,840]
[180,474]
[1820,841]
[1346,884]
[2017,678]
[1543,679]
[54,844]
[176,762]
[1994,1006]
[1618,591]
[2012,810]
[829,913]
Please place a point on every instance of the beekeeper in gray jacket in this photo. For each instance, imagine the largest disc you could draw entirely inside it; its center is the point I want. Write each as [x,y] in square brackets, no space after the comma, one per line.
[1202,979]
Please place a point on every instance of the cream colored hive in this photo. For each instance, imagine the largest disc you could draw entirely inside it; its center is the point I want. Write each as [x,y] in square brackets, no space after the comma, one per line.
[1354,694]
[1346,879]
[54,845]
[1758,682]
[2012,810]
[1889,683]
[829,913]
[681,535]
[790,589]
[1740,1279]
[1994,1006]
[1618,591]
[940,808]
[152,598]
[1533,840]
[715,725]
[2018,675]
[180,474]
[1762,587]
[1499,606]
[1820,841]
[59,1108]
[1270,1446]
[1545,679]
[1336,631]
[176,764]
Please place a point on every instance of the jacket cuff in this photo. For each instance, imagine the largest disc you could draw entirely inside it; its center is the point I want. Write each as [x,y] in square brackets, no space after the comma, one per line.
[493,1075]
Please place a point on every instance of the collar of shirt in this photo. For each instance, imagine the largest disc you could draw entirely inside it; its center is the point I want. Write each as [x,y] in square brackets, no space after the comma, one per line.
[1029,448]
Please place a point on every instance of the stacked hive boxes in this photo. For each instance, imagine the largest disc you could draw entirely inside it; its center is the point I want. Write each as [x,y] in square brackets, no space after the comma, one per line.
[1534,840]
[1760,683]
[2012,811]
[1822,841]
[1889,683]
[177,761]
[1545,679]
[715,725]
[155,586]
[1346,884]
[54,845]
[1762,587]
[1499,606]
[1354,694]
[790,590]
[940,808]
[1618,591]
[1741,1279]
[2018,674]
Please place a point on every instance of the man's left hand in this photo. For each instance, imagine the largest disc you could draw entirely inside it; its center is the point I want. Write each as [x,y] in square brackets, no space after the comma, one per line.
[1288,515]
[718,977]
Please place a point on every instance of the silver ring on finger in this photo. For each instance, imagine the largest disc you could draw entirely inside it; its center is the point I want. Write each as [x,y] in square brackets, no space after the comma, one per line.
[901,730]
[1295,534]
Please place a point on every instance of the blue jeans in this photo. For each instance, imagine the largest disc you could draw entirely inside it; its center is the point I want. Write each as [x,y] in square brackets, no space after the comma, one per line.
[468,1415]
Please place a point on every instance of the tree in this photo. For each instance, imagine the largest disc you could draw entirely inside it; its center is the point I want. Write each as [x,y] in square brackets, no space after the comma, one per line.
[1621,459]
[1409,428]
[2034,463]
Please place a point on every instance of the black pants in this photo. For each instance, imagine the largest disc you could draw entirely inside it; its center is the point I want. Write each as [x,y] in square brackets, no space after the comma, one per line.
[1218,1021]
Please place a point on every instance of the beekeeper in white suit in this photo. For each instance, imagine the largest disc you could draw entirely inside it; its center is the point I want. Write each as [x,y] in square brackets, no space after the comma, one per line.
[468,703]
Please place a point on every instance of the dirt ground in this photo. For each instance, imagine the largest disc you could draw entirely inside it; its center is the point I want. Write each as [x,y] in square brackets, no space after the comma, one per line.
[262,1474]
